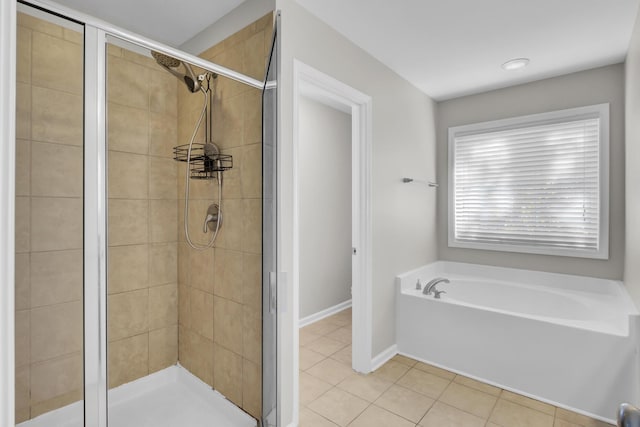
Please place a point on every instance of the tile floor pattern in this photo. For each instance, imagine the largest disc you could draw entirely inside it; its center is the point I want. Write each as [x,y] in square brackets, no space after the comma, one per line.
[404,392]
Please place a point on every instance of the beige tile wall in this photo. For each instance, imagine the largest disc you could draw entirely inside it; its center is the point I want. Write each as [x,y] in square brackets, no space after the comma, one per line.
[143,217]
[218,301]
[220,292]
[48,217]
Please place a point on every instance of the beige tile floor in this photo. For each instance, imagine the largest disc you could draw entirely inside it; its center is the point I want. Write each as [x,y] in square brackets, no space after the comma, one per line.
[404,392]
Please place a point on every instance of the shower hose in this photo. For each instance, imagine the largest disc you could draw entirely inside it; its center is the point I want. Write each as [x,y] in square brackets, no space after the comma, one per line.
[187,181]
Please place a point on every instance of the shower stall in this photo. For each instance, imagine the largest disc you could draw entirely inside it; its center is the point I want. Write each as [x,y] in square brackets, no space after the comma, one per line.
[145,252]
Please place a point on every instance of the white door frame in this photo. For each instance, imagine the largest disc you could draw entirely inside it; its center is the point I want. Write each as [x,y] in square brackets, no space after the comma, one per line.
[7,208]
[310,82]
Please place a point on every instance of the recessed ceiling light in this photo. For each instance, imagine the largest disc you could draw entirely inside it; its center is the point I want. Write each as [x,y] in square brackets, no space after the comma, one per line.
[515,64]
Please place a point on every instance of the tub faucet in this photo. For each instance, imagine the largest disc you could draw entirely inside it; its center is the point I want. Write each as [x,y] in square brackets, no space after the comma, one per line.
[430,288]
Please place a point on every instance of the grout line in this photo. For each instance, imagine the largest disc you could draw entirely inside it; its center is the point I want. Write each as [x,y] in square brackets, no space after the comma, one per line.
[320,415]
[494,407]
[398,415]
[40,85]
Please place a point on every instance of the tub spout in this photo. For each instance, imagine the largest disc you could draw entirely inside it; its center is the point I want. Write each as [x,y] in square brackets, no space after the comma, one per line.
[429,288]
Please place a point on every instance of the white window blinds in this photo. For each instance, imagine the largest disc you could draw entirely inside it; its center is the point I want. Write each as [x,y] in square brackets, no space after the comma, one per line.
[533,186]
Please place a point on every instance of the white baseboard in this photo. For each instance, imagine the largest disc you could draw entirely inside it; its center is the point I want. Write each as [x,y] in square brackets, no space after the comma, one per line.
[383,357]
[324,313]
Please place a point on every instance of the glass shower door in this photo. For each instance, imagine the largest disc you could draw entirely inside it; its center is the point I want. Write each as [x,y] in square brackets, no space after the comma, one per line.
[97,242]
[49,220]
[269,238]
[142,230]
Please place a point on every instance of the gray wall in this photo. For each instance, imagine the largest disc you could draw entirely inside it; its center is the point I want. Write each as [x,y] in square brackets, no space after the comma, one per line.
[632,124]
[246,13]
[325,206]
[403,133]
[590,87]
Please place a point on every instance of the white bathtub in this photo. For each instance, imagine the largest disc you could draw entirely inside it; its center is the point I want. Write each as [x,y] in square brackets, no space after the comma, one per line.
[567,340]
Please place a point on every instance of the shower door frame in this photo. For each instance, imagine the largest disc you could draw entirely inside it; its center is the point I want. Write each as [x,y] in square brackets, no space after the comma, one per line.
[7,209]
[95,196]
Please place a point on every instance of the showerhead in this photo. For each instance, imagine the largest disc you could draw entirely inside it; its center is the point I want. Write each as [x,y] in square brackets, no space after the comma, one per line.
[170,64]
[165,60]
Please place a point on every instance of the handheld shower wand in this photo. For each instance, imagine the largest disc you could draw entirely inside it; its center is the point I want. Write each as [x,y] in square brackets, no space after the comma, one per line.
[210,156]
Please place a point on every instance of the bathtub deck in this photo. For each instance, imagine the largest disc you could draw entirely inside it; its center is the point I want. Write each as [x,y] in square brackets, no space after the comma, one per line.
[405,392]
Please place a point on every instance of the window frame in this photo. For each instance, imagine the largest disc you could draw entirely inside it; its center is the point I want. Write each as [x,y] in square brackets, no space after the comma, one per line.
[600,111]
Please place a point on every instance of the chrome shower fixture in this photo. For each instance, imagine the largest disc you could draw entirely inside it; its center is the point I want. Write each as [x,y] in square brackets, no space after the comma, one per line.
[429,183]
[172,64]
[204,160]
[213,219]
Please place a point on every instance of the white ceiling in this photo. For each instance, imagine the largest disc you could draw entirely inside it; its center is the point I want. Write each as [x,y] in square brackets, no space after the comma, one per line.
[451,48]
[446,48]
[169,21]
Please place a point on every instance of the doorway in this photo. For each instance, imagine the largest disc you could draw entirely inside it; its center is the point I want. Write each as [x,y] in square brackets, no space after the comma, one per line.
[335,97]
[325,209]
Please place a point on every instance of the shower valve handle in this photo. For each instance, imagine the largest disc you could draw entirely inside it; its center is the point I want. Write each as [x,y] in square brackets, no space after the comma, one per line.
[207,220]
[214,217]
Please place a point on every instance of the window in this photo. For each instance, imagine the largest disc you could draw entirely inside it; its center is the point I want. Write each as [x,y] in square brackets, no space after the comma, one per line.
[534,184]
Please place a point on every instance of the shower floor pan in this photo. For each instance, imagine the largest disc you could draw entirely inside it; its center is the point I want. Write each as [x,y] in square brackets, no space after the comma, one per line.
[168,398]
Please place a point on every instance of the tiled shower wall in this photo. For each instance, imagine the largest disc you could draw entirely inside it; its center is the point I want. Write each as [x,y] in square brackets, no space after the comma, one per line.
[143,216]
[142,223]
[48,217]
[220,289]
